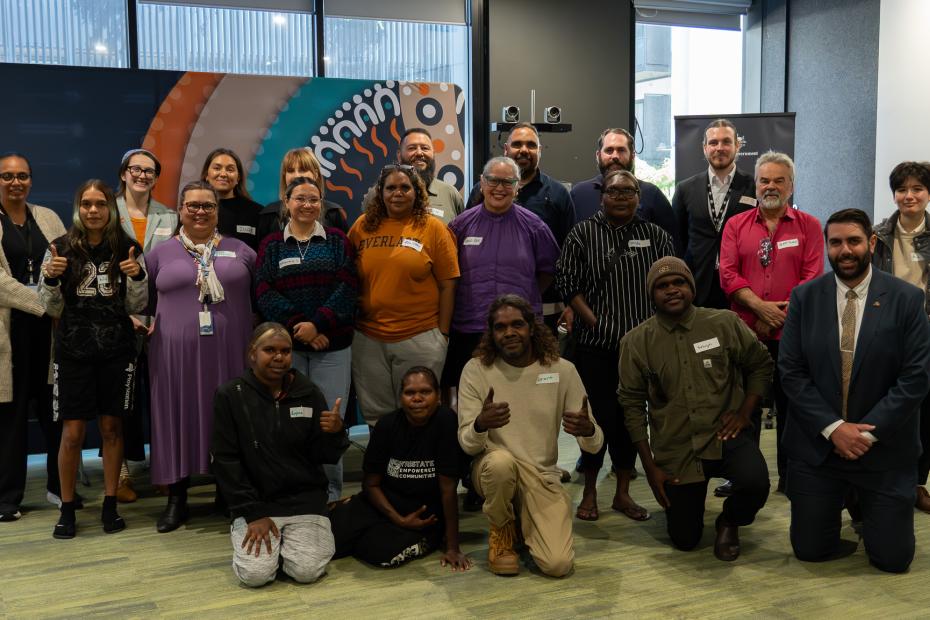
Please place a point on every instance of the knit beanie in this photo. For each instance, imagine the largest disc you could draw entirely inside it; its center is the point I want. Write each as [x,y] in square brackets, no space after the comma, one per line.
[666,266]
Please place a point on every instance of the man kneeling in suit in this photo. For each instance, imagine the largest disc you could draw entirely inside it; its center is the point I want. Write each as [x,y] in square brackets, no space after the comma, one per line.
[855,364]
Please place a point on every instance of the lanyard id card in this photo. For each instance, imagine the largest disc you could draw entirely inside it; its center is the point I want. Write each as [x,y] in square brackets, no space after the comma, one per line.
[205,318]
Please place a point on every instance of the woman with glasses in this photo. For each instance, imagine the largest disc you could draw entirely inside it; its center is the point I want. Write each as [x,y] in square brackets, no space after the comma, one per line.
[93,280]
[408,267]
[299,163]
[503,249]
[25,334]
[306,280]
[238,213]
[148,222]
[201,302]
[602,276]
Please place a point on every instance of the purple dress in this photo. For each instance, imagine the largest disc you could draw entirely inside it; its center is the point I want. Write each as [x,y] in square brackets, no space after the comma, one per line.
[185,368]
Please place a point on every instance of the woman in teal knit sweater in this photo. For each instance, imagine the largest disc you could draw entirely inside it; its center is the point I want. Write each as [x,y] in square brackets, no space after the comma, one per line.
[306,280]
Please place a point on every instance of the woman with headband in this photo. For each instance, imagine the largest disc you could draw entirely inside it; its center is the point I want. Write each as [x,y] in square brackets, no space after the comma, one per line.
[149,222]
[272,432]
[201,300]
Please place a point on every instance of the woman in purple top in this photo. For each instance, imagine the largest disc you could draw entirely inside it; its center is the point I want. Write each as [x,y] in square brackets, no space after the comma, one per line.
[202,306]
[503,248]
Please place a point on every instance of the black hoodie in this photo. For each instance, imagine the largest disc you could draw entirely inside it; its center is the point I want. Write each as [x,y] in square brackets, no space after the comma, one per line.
[267,453]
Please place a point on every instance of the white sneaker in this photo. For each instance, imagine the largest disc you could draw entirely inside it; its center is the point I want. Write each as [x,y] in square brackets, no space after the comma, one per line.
[10,516]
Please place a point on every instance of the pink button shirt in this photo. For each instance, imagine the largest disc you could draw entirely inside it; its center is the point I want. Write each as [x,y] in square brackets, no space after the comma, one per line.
[796,256]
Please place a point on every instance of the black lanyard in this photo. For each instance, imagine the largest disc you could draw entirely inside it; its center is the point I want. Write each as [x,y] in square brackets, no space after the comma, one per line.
[717,217]
[25,234]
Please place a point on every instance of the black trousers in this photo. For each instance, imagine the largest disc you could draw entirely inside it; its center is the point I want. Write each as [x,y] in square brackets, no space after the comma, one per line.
[886,501]
[30,340]
[362,531]
[744,466]
[599,373]
[923,465]
[781,408]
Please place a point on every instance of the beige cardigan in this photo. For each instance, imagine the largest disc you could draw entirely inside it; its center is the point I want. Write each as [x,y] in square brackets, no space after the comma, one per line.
[14,294]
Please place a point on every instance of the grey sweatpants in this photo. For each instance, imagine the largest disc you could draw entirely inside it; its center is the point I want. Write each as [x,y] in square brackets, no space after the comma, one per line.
[306,546]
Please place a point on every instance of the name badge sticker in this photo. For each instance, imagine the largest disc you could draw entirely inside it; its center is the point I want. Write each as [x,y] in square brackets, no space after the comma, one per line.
[225,254]
[205,320]
[640,243]
[788,243]
[162,232]
[747,200]
[547,377]
[287,262]
[103,279]
[473,240]
[708,363]
[245,230]
[437,212]
[301,412]
[412,244]
[706,345]
[915,257]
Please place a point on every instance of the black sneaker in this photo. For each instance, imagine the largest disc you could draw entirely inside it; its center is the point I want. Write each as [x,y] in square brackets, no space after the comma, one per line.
[724,490]
[115,524]
[12,515]
[64,531]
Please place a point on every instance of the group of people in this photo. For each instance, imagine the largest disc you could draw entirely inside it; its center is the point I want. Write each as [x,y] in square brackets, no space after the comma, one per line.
[443,321]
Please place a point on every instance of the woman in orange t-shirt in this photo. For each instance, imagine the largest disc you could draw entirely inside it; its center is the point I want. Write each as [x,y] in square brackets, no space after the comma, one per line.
[407,267]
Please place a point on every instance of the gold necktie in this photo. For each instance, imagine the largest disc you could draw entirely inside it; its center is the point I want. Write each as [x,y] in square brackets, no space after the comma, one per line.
[848,342]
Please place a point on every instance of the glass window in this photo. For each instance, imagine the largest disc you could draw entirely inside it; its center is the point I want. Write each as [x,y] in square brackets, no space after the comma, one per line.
[681,71]
[225,40]
[89,33]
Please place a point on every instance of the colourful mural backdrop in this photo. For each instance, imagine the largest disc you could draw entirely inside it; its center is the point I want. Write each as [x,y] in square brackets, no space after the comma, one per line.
[353,126]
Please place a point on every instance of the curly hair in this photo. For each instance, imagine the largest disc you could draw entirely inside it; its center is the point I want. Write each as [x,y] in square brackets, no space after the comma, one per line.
[376,211]
[543,344]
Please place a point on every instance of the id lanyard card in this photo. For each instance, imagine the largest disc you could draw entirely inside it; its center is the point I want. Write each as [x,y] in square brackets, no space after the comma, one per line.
[205,320]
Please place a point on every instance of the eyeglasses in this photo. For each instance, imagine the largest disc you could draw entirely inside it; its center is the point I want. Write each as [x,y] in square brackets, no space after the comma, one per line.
[194,207]
[301,201]
[138,171]
[765,251]
[620,192]
[497,181]
[22,177]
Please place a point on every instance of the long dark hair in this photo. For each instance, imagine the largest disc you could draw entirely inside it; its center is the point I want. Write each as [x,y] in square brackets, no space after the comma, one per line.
[375,209]
[76,244]
[544,345]
[239,189]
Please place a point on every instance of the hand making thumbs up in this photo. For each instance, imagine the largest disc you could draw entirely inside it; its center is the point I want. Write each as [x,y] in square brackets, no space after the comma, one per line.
[56,265]
[578,423]
[330,422]
[493,415]
[130,266]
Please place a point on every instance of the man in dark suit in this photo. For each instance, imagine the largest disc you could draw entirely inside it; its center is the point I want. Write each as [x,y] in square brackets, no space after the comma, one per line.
[855,364]
[704,202]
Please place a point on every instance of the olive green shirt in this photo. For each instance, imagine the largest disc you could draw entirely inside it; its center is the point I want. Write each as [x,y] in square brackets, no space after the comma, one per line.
[690,372]
[445,202]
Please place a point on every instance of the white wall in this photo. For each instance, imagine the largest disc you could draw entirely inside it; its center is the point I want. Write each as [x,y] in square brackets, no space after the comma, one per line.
[902,127]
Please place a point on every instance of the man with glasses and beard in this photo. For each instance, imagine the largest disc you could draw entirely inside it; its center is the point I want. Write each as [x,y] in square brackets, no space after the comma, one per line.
[855,354]
[764,254]
[416,149]
[615,151]
[704,202]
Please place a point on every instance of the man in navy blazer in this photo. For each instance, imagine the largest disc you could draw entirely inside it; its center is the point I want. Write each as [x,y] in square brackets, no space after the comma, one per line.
[869,440]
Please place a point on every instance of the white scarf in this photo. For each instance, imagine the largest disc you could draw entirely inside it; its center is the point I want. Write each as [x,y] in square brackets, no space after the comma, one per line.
[211,291]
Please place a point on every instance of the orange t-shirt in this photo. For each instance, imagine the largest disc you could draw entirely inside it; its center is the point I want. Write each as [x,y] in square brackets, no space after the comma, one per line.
[138,227]
[399,266]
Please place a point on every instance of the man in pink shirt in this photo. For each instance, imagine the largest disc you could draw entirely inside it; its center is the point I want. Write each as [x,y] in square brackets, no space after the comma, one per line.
[766,252]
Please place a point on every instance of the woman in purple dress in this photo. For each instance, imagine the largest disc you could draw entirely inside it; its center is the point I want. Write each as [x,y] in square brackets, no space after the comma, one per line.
[202,306]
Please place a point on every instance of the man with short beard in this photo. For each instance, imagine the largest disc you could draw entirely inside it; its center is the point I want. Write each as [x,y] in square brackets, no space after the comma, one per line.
[704,202]
[615,151]
[854,362]
[764,254]
[416,149]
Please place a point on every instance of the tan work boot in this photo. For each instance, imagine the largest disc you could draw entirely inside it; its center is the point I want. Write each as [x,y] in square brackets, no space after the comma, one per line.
[502,560]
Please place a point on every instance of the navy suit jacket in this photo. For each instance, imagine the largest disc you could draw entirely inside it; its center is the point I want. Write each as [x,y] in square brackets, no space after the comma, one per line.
[890,375]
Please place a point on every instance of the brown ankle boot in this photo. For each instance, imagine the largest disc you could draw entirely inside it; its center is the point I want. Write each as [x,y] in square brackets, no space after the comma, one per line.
[125,494]
[502,560]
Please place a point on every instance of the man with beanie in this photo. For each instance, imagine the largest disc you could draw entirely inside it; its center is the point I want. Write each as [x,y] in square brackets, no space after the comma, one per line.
[702,372]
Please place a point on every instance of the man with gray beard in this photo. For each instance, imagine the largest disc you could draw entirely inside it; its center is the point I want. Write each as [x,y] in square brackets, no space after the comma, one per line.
[764,254]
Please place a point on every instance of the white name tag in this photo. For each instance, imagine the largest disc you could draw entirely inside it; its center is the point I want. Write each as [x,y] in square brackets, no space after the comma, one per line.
[301,412]
[287,262]
[547,377]
[706,345]
[747,200]
[708,363]
[915,257]
[788,243]
[205,321]
[473,240]
[163,232]
[246,230]
[103,279]
[437,212]
[640,243]
[225,254]
[412,243]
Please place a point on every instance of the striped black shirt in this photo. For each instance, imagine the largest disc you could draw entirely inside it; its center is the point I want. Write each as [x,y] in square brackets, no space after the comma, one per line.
[608,265]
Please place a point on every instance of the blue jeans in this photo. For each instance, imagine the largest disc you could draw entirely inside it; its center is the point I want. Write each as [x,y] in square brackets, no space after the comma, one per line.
[331,371]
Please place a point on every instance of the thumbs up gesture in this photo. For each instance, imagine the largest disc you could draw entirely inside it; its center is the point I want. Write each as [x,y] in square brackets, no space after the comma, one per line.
[578,423]
[56,265]
[130,266]
[493,415]
[330,422]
